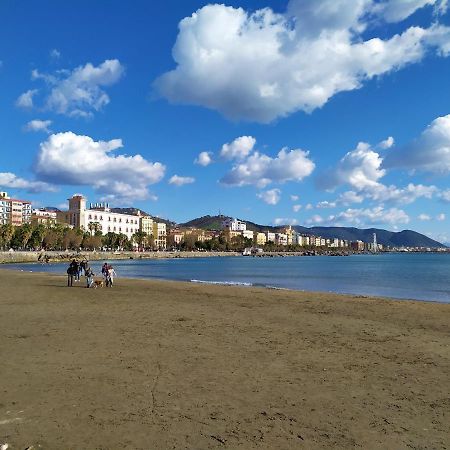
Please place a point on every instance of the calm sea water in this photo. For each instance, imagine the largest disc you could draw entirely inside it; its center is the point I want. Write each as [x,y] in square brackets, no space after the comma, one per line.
[408,276]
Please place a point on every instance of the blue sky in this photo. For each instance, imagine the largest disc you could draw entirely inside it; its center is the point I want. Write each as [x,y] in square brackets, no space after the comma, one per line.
[310,112]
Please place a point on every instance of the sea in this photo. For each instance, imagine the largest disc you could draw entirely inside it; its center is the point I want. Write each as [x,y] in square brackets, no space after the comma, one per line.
[418,276]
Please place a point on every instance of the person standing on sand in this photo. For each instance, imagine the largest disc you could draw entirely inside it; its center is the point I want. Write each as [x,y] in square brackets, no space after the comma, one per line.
[88,272]
[71,272]
[77,269]
[111,275]
[105,273]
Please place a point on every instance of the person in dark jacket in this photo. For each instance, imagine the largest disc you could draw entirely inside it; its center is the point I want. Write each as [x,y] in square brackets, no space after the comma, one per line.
[71,272]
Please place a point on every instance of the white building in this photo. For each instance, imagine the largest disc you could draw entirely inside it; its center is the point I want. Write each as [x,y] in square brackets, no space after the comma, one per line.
[281,238]
[234,225]
[247,234]
[270,237]
[98,217]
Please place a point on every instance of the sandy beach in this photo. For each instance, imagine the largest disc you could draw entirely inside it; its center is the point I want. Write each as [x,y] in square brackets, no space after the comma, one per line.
[160,365]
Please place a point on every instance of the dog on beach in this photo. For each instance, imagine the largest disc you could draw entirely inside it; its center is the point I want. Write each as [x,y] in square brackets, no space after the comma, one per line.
[98,284]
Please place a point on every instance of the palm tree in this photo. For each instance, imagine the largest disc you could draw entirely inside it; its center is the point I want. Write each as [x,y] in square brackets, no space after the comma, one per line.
[139,237]
[93,227]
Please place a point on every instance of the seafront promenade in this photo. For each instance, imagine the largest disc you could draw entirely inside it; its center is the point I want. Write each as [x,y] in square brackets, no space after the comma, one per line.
[154,364]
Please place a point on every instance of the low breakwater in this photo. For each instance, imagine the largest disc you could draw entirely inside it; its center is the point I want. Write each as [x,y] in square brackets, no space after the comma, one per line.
[61,256]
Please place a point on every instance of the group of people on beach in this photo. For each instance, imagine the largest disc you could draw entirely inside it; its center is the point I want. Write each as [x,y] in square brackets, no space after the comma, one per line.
[77,268]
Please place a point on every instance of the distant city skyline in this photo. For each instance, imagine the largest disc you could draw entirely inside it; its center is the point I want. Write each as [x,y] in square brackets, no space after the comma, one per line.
[291,112]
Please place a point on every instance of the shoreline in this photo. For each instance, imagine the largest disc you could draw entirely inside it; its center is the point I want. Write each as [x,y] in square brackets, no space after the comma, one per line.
[151,364]
[222,283]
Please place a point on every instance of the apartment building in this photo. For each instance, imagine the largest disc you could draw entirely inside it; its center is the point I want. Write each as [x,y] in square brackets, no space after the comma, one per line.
[98,217]
[43,216]
[160,235]
[14,211]
[146,225]
[234,225]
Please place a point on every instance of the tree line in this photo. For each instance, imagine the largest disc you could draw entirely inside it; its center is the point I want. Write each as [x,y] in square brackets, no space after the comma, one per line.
[32,236]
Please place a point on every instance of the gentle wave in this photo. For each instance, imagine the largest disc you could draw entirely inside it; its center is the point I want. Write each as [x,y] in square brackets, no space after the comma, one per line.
[224,283]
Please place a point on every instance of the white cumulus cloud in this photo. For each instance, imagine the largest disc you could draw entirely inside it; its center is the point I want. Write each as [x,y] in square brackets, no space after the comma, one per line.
[430,152]
[71,159]
[204,159]
[296,208]
[260,170]
[271,197]
[364,217]
[294,198]
[10,180]
[240,148]
[279,221]
[79,92]
[181,181]
[260,65]
[440,217]
[362,169]
[25,100]
[38,125]
[424,217]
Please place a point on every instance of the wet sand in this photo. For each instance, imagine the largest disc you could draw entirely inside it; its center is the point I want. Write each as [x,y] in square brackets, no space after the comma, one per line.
[161,365]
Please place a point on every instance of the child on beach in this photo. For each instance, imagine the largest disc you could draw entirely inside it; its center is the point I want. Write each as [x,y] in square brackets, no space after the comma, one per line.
[89,273]
[110,276]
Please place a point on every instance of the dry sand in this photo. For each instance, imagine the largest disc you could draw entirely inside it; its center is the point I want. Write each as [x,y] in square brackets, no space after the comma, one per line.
[161,365]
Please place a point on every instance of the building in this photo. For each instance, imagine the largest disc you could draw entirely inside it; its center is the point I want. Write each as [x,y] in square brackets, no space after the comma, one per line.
[260,239]
[281,238]
[234,225]
[146,225]
[160,235]
[98,217]
[270,237]
[14,211]
[248,234]
[358,246]
[43,216]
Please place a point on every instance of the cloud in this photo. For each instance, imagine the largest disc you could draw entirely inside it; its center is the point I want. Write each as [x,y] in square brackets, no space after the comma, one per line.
[10,180]
[294,198]
[387,143]
[308,207]
[25,100]
[71,159]
[440,217]
[204,159]
[271,197]
[240,148]
[279,221]
[296,208]
[181,181]
[260,170]
[430,152]
[80,92]
[424,217]
[349,197]
[397,10]
[445,196]
[315,220]
[326,204]
[55,54]
[362,169]
[261,65]
[364,217]
[38,125]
